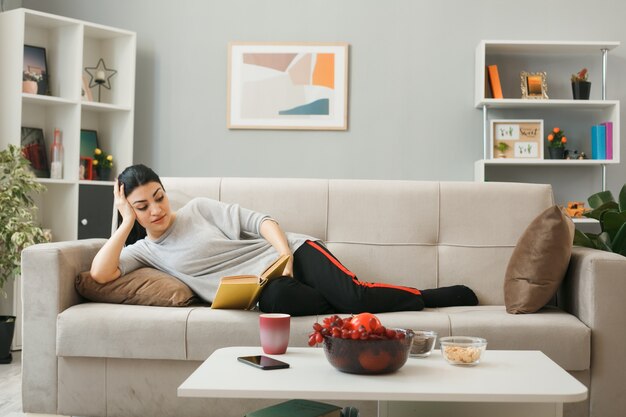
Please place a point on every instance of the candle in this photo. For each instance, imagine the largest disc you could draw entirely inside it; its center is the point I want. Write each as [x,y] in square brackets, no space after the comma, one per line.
[100,76]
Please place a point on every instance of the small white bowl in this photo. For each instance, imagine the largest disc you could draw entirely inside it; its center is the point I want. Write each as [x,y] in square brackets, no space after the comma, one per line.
[462,350]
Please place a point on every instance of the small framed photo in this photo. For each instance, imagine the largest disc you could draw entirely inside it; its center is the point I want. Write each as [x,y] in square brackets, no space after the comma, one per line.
[88,143]
[287,85]
[534,85]
[85,170]
[34,149]
[85,91]
[36,68]
[517,139]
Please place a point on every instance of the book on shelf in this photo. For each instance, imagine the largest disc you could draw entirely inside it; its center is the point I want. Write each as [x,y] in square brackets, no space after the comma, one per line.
[608,139]
[598,142]
[242,291]
[298,408]
[494,81]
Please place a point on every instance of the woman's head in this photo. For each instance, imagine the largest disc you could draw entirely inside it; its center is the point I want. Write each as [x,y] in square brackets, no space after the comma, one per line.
[146,195]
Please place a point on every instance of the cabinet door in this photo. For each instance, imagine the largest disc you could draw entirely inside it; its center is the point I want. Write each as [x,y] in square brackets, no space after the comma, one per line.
[95,211]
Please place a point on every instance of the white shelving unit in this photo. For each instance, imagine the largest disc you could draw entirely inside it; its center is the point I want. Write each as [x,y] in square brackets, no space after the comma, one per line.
[71,45]
[559,59]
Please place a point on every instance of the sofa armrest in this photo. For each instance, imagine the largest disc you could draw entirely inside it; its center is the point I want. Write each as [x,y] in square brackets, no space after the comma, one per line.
[49,271]
[593,291]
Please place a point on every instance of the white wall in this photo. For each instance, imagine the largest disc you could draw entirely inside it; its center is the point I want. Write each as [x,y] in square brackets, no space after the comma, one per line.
[411,113]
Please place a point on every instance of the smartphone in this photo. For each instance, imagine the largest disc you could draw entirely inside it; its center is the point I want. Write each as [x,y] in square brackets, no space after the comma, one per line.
[263,362]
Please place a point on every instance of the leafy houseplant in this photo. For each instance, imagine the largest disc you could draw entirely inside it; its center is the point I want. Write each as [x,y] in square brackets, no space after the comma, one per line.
[581,87]
[556,143]
[612,217]
[17,228]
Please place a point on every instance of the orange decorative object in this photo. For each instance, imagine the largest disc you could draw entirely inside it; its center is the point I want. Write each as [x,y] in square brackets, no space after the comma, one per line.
[576,208]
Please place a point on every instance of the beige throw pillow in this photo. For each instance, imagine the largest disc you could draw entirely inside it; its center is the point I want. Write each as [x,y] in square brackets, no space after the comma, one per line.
[539,262]
[144,286]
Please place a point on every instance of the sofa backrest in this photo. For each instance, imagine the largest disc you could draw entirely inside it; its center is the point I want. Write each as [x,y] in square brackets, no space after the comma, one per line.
[423,234]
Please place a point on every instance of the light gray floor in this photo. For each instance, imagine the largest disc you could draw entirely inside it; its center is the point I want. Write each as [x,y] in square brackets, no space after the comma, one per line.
[11,388]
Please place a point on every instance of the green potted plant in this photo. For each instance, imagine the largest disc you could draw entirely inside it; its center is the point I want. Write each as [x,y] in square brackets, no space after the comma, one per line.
[502,147]
[612,217]
[18,228]
[556,144]
[581,87]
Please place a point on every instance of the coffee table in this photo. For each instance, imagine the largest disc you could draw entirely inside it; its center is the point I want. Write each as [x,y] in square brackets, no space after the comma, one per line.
[505,383]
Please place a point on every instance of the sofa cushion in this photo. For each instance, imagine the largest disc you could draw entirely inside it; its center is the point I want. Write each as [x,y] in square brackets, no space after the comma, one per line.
[144,286]
[560,335]
[539,262]
[122,331]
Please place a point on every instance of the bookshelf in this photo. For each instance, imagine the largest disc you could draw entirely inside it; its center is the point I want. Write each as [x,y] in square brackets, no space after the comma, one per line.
[559,59]
[71,45]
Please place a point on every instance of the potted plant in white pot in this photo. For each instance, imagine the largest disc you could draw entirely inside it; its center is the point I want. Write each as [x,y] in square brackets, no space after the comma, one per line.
[18,228]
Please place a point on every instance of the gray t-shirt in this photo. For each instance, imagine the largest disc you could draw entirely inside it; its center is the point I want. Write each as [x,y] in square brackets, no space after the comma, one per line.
[207,240]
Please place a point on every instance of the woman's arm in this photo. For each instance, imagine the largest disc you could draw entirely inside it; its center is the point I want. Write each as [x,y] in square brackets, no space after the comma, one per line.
[105,265]
[271,231]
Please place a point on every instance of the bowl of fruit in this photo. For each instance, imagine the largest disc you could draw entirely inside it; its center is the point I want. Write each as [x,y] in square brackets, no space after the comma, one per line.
[361,344]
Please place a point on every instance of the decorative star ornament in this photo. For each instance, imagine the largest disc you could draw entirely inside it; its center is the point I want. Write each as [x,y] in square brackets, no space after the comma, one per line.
[100,75]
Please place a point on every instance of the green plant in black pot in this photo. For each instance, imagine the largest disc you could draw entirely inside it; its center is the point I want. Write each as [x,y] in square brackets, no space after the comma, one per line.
[612,217]
[18,228]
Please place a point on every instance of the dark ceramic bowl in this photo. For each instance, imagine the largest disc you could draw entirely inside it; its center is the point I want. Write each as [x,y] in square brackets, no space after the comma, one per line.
[380,356]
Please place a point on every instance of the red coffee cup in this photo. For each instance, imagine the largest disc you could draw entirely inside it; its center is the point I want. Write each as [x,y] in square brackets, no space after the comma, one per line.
[274,332]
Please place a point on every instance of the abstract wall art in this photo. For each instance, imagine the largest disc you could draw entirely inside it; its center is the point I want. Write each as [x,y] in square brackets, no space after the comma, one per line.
[288,86]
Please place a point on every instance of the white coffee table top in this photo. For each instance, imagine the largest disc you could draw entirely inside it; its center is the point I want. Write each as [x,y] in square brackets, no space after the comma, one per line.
[502,376]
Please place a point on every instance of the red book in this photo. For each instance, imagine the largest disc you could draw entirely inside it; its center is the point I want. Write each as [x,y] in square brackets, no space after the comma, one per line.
[494,81]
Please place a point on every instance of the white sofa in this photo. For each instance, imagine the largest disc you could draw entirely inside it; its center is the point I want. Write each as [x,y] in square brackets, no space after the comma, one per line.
[91,359]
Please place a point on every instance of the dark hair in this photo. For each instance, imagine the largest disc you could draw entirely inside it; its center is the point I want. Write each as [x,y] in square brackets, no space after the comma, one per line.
[132,177]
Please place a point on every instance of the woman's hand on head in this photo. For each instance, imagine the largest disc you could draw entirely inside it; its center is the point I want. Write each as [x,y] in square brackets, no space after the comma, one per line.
[122,204]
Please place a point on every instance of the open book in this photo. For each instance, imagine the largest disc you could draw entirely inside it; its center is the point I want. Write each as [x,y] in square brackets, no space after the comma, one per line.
[243,291]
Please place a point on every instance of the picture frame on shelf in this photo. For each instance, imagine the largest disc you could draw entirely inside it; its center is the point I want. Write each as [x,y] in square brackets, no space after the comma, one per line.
[34,149]
[88,142]
[520,139]
[35,68]
[88,145]
[85,91]
[534,85]
[287,85]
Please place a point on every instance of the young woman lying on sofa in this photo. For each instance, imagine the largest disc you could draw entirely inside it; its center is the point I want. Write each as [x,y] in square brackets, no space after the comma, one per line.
[207,239]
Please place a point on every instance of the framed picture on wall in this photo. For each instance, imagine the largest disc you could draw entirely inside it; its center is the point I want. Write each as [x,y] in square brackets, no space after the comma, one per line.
[36,68]
[34,149]
[287,86]
[517,139]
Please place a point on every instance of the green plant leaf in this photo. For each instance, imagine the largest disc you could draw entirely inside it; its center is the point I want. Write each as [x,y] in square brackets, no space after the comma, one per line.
[599,211]
[622,198]
[604,242]
[612,221]
[582,239]
[619,243]
[598,199]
